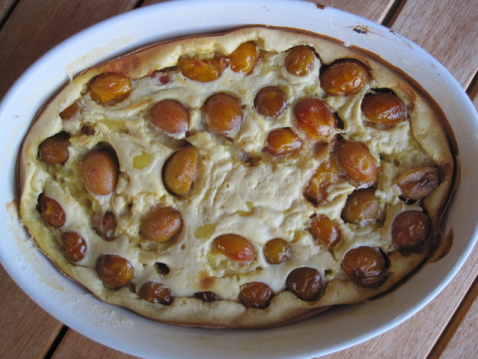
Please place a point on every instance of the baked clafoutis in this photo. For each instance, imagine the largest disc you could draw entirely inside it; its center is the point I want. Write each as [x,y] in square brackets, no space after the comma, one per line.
[245,179]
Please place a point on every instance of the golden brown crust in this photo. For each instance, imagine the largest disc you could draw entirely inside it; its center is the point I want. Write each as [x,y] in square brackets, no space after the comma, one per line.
[428,145]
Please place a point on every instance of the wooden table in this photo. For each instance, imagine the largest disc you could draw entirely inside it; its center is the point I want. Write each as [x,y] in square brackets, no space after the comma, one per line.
[447,327]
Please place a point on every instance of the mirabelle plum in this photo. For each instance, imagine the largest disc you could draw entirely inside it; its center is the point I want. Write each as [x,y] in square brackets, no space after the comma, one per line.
[244,58]
[202,70]
[306,283]
[70,111]
[235,247]
[180,170]
[52,212]
[110,88]
[74,246]
[223,113]
[255,295]
[365,266]
[324,230]
[282,142]
[299,60]
[270,101]
[277,251]
[161,225]
[326,174]
[315,119]
[100,171]
[54,150]
[410,229]
[114,271]
[418,183]
[384,109]
[358,162]
[170,116]
[156,293]
[362,207]
[344,77]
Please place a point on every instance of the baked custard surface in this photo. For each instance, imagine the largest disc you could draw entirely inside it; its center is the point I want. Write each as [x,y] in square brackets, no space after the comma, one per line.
[238,180]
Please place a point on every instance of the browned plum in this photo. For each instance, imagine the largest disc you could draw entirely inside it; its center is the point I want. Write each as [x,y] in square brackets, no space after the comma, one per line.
[255,295]
[362,207]
[206,296]
[170,116]
[114,270]
[324,230]
[74,246]
[277,251]
[344,77]
[52,212]
[419,183]
[54,150]
[161,225]
[155,292]
[305,282]
[270,101]
[223,113]
[100,171]
[315,119]
[358,162]
[365,266]
[410,229]
[105,225]
[235,247]
[282,142]
[384,109]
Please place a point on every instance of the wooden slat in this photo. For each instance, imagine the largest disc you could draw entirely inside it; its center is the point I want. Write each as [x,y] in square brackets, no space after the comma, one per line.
[77,346]
[26,330]
[464,344]
[373,10]
[5,6]
[460,338]
[36,26]
[451,33]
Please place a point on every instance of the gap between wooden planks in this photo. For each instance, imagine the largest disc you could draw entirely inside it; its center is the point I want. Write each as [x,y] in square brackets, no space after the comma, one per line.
[463,325]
